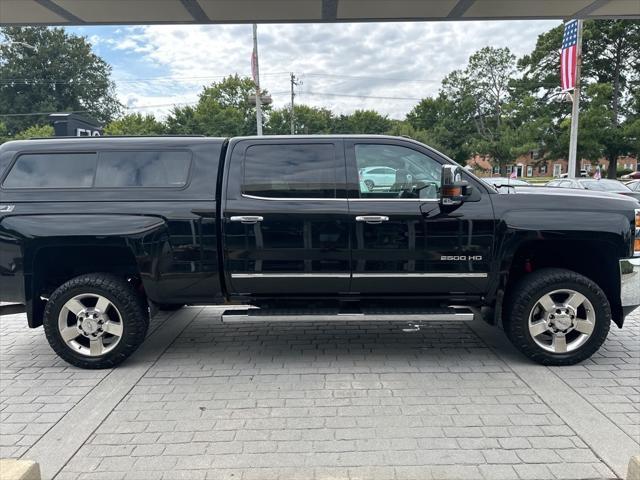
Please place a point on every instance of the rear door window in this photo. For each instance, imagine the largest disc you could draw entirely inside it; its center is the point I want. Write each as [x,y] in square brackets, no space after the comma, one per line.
[295,170]
[52,170]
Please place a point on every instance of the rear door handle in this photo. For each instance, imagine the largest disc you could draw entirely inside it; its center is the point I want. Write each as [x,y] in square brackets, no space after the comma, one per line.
[247,219]
[372,219]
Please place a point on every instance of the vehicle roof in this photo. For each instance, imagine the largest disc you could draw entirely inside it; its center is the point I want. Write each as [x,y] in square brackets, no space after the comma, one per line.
[105,141]
[165,140]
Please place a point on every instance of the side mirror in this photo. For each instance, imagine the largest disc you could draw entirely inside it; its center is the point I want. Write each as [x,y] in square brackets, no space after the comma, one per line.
[453,190]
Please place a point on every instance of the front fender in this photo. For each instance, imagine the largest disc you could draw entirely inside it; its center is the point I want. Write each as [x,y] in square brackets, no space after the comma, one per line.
[517,227]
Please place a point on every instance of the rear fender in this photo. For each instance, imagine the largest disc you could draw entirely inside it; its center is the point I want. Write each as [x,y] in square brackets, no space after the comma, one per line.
[145,237]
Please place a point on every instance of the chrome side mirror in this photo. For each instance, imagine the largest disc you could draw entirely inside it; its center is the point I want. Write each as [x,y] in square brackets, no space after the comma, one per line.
[453,189]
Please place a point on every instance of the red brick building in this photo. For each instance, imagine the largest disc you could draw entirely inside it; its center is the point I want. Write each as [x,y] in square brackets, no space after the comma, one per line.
[532,166]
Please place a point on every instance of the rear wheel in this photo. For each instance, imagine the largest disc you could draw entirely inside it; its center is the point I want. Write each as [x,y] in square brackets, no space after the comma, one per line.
[557,317]
[369,184]
[95,321]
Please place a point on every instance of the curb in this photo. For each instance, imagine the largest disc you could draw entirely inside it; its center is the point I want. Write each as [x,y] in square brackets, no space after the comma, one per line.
[633,473]
[12,469]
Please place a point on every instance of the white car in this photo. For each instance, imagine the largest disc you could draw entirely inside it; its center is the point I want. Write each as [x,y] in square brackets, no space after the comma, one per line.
[583,173]
[377,177]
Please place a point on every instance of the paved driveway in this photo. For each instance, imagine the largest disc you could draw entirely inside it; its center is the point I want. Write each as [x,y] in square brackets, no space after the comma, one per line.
[257,401]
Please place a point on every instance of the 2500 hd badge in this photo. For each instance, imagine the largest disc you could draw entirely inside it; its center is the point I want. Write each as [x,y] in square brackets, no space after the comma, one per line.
[460,258]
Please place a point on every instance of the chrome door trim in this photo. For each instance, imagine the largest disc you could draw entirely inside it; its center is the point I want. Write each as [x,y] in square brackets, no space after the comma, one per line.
[420,275]
[359,275]
[290,275]
[319,199]
[296,199]
[421,200]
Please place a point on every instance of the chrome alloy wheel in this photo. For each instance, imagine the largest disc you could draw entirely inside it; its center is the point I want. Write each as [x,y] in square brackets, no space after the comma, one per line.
[562,321]
[90,324]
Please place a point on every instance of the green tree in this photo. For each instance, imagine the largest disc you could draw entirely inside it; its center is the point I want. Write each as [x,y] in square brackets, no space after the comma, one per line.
[483,96]
[612,56]
[182,121]
[598,135]
[58,72]
[307,120]
[362,121]
[223,110]
[135,124]
[446,124]
[611,50]
[35,131]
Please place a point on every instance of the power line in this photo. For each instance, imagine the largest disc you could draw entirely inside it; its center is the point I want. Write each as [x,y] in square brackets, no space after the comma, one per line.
[327,94]
[367,77]
[28,81]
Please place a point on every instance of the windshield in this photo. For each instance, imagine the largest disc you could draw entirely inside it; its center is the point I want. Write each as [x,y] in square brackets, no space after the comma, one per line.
[605,185]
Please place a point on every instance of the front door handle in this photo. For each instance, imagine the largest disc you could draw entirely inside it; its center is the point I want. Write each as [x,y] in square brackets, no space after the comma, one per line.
[372,219]
[247,219]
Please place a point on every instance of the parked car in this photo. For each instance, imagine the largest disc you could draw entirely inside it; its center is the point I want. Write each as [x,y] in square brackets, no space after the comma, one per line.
[632,175]
[504,181]
[602,185]
[583,174]
[377,177]
[634,185]
[95,232]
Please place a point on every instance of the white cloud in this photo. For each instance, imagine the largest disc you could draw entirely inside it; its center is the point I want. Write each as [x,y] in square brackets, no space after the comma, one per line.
[347,62]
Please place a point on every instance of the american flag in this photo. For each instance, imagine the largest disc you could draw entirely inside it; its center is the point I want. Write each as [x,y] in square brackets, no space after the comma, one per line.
[569,55]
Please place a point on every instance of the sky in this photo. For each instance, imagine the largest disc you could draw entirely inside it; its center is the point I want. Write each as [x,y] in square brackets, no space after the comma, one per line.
[387,67]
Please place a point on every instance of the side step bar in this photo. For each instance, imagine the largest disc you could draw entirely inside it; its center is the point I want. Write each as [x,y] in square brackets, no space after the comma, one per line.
[453,313]
[12,308]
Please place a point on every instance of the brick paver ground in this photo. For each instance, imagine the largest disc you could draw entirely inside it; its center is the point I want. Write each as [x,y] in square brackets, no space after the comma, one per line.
[321,400]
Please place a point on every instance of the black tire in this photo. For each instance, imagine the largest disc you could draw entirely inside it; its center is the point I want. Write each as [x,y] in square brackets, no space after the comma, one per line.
[369,184]
[531,288]
[169,307]
[133,311]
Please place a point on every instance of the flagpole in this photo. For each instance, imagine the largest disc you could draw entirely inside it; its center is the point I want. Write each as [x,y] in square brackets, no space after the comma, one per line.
[575,110]
[257,80]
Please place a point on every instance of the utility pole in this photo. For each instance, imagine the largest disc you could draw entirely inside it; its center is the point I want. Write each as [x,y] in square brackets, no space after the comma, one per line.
[573,170]
[255,70]
[294,82]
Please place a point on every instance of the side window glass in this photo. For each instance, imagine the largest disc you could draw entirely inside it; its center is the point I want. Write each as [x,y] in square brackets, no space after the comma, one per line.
[290,171]
[52,170]
[404,172]
[121,169]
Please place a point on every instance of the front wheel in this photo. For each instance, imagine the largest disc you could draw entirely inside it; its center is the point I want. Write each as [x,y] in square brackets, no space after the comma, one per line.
[95,321]
[557,317]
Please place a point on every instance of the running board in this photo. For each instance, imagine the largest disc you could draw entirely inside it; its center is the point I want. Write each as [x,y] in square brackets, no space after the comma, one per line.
[12,309]
[412,315]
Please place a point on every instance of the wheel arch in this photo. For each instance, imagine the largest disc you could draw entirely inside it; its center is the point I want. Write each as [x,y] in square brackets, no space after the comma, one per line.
[596,258]
[57,248]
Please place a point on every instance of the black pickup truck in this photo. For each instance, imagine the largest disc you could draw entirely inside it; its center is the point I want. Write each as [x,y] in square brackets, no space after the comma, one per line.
[95,233]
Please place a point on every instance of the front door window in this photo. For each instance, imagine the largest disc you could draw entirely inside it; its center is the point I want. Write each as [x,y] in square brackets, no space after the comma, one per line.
[393,171]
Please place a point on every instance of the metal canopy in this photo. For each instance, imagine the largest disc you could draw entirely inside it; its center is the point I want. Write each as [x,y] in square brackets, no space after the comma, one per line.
[96,12]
